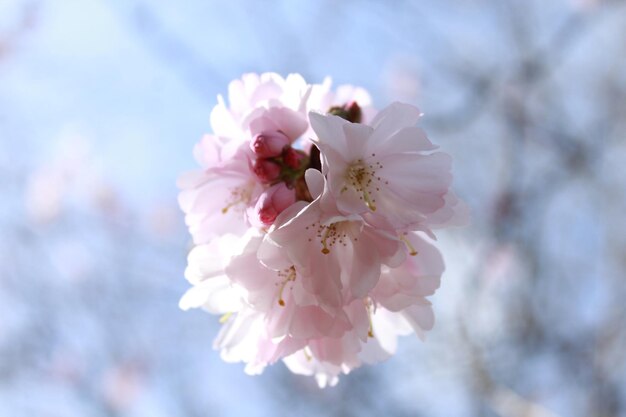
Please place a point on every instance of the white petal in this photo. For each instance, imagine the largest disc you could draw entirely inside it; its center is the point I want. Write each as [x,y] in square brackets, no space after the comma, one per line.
[315,182]
[407,139]
[216,295]
[393,118]
[329,131]
[421,318]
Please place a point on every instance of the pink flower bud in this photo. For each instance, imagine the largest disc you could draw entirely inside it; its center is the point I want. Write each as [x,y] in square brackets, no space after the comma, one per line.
[273,201]
[269,144]
[293,158]
[266,170]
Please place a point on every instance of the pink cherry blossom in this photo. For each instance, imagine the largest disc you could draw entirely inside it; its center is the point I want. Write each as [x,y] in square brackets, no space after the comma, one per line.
[216,200]
[212,289]
[219,198]
[388,169]
[416,278]
[251,93]
[397,307]
[327,358]
[321,266]
[333,250]
[243,338]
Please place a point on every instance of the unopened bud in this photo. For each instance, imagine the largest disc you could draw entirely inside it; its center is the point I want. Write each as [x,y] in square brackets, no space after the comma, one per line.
[273,201]
[350,111]
[266,170]
[354,112]
[269,144]
[293,158]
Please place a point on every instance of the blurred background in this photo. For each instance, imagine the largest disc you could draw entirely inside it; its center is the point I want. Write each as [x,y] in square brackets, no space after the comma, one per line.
[100,105]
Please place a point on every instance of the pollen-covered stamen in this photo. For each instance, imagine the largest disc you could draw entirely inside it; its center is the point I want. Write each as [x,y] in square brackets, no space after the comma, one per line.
[368,307]
[329,235]
[364,179]
[307,354]
[408,244]
[225,317]
[288,275]
[239,196]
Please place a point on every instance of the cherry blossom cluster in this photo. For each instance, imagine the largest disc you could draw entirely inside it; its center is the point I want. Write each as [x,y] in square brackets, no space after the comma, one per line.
[311,218]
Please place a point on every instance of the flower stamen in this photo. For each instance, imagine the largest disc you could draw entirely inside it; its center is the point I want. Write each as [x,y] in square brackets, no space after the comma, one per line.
[364,180]
[330,235]
[325,249]
[368,201]
[239,196]
[225,317]
[307,354]
[368,307]
[289,275]
[408,244]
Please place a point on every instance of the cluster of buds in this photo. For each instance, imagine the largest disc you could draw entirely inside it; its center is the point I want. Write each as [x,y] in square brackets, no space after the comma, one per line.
[279,165]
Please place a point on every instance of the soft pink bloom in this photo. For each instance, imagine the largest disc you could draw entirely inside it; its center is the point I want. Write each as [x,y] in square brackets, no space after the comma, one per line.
[289,310]
[327,358]
[243,338]
[388,170]
[251,93]
[216,200]
[333,251]
[404,289]
[212,289]
[264,320]
[325,285]
[398,306]
[219,198]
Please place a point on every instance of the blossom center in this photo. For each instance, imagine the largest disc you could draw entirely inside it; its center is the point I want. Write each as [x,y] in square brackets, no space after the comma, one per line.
[329,235]
[239,196]
[363,178]
[287,275]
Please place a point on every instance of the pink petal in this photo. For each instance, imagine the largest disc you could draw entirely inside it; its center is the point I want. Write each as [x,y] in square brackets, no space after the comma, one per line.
[392,119]
[407,139]
[315,182]
[420,317]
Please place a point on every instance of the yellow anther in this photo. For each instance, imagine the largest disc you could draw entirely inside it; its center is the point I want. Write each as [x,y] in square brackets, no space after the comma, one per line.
[225,317]
[368,307]
[239,196]
[327,232]
[363,179]
[290,276]
[368,201]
